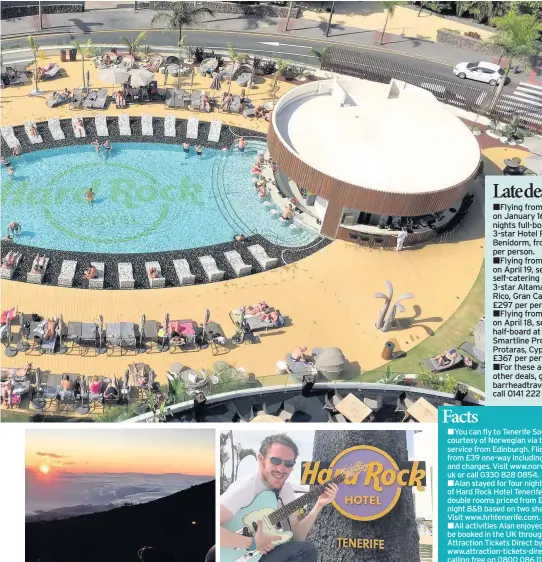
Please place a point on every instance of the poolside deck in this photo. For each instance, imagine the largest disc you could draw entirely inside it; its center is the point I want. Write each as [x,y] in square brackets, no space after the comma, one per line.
[328,298]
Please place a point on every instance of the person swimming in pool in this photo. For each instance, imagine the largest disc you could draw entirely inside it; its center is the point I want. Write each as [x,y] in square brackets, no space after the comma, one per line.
[287,213]
[241,144]
[186,147]
[14,228]
[11,171]
[199,150]
[107,146]
[96,145]
[89,196]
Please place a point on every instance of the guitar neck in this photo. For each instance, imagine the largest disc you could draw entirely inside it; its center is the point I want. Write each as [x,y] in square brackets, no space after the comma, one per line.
[287,510]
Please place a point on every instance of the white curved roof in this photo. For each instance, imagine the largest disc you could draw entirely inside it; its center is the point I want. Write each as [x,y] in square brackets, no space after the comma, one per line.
[388,137]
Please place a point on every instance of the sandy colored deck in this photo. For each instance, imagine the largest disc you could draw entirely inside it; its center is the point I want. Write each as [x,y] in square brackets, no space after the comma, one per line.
[328,297]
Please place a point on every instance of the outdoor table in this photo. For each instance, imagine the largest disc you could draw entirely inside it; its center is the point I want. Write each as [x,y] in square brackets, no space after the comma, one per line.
[353,409]
[266,418]
[422,411]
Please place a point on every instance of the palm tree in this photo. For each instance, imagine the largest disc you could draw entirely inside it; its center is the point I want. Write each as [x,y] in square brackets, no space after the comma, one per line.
[389,8]
[517,34]
[282,65]
[182,15]
[35,51]
[134,45]
[85,50]
[322,55]
[241,58]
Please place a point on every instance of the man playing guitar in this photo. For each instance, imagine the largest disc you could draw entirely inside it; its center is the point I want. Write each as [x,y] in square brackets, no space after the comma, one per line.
[276,459]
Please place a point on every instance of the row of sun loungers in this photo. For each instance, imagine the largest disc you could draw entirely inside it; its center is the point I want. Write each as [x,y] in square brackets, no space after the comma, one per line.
[11,261]
[102,130]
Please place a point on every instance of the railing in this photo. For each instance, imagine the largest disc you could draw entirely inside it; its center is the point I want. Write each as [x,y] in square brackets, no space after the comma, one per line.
[448,91]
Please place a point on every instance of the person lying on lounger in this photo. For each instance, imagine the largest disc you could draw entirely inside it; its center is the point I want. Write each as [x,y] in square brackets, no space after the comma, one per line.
[9,261]
[272,317]
[50,329]
[226,101]
[447,358]
[111,392]
[91,273]
[96,385]
[176,338]
[298,354]
[39,264]
[153,272]
[258,308]
[66,383]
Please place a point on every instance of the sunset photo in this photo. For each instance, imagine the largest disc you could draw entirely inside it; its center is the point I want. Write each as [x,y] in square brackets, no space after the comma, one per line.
[135,492]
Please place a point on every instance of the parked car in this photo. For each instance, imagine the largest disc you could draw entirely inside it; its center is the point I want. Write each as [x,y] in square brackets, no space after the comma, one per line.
[481,71]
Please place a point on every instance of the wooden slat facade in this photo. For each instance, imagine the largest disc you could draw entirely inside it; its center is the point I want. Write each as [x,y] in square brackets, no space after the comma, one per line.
[341,195]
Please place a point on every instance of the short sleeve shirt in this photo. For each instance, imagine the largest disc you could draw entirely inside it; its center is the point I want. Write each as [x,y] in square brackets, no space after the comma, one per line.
[243,492]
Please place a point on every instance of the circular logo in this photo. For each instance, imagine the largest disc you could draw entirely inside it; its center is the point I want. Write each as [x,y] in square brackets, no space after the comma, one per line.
[360,500]
[128,203]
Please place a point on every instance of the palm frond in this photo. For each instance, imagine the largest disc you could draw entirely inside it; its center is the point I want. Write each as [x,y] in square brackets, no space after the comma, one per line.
[141,37]
[127,42]
[160,16]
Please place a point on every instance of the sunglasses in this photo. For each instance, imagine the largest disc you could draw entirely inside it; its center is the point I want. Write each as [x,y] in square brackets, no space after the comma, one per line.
[276,461]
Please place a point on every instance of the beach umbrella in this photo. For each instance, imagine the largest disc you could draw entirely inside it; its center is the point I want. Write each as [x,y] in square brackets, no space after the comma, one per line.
[165,328]
[215,84]
[10,351]
[139,77]
[83,408]
[88,78]
[100,335]
[206,318]
[22,344]
[62,349]
[142,348]
[113,75]
[331,362]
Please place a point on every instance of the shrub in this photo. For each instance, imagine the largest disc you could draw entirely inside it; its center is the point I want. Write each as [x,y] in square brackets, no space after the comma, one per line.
[269,67]
[473,35]
[200,55]
[451,30]
[445,383]
[291,72]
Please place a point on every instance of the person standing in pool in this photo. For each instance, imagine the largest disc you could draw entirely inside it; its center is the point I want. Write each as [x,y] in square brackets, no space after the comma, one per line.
[11,171]
[107,146]
[89,196]
[241,144]
[14,228]
[199,150]
[96,145]
[186,147]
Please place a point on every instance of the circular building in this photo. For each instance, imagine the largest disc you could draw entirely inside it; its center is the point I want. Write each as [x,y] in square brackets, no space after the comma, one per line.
[370,159]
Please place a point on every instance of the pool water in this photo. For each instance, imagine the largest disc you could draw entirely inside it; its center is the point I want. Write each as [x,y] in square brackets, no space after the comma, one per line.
[148,198]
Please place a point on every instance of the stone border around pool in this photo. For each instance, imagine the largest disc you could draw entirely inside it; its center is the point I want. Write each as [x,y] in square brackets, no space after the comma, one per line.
[138,260]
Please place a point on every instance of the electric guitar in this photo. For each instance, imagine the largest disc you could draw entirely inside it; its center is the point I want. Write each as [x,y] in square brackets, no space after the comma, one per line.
[264,508]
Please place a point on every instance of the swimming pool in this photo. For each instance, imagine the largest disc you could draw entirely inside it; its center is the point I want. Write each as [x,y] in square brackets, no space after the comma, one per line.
[149,197]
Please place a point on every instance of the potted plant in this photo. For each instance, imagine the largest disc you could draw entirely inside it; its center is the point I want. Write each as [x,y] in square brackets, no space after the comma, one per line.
[310,199]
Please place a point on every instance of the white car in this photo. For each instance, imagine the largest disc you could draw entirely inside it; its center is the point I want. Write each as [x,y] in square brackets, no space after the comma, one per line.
[481,71]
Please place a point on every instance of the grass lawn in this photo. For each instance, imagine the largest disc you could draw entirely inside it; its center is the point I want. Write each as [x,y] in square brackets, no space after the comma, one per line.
[451,334]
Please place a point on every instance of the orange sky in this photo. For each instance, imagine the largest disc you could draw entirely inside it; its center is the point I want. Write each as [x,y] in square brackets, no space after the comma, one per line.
[149,451]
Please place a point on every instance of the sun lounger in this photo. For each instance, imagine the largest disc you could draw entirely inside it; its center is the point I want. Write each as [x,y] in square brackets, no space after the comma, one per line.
[169,126]
[297,368]
[175,99]
[431,365]
[89,100]
[158,282]
[77,99]
[51,73]
[471,349]
[9,137]
[67,273]
[101,99]
[195,100]
[235,105]
[249,112]
[182,269]
[7,272]
[211,270]
[237,313]
[79,132]
[260,255]
[141,376]
[256,325]
[48,343]
[50,389]
[126,276]
[100,122]
[238,265]
[150,333]
[34,139]
[55,128]
[98,282]
[124,125]
[214,131]
[35,277]
[58,100]
[192,128]
[146,125]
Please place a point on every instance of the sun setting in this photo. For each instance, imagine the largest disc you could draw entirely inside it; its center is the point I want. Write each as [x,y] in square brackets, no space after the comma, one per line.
[45,468]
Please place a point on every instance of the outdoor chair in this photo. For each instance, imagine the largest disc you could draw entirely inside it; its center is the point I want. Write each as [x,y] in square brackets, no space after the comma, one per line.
[50,388]
[101,99]
[150,335]
[77,99]
[10,263]
[142,377]
[51,73]
[89,100]
[215,337]
[286,412]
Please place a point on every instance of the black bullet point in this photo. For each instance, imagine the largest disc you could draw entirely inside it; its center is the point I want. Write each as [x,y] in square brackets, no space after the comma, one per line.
[496,366]
[496,207]
[496,260]
[496,313]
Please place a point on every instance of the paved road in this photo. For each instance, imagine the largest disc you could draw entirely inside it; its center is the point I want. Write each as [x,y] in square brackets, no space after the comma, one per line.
[268,45]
